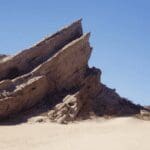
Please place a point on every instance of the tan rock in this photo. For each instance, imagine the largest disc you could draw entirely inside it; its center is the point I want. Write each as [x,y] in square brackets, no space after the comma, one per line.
[56,71]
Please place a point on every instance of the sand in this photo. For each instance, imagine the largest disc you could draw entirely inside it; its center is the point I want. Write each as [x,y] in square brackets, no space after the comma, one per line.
[114,134]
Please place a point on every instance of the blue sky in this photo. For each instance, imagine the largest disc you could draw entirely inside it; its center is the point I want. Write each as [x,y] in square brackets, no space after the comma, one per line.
[120,36]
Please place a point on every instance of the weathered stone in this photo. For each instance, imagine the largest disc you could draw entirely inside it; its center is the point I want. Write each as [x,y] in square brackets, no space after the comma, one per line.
[72,105]
[23,96]
[2,57]
[28,59]
[38,119]
[56,69]
[108,102]
[145,113]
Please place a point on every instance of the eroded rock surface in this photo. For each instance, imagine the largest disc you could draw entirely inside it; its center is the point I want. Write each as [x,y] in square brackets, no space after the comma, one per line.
[2,56]
[56,70]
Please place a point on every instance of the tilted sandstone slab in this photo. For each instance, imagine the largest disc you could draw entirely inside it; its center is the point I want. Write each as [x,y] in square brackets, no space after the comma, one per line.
[23,96]
[59,72]
[67,67]
[28,59]
[57,68]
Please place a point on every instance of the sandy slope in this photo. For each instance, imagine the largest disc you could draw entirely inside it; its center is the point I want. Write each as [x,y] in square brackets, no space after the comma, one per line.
[115,134]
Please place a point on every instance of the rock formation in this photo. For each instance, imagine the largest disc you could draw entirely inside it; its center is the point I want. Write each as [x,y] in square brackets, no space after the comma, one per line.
[56,70]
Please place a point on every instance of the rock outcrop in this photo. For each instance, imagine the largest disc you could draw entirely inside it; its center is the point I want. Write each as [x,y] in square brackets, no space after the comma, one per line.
[56,70]
[2,56]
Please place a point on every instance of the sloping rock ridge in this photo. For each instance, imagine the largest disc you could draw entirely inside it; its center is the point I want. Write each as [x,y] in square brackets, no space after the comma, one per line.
[55,73]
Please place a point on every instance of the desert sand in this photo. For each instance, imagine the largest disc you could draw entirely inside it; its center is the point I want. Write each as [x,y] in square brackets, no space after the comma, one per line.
[115,134]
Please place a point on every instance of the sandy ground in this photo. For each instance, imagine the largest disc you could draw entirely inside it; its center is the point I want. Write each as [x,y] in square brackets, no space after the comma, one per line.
[114,134]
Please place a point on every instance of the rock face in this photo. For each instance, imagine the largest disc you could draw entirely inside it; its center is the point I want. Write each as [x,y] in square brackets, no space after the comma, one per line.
[58,67]
[2,56]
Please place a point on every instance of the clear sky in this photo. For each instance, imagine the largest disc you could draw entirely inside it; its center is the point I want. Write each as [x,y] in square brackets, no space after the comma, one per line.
[120,36]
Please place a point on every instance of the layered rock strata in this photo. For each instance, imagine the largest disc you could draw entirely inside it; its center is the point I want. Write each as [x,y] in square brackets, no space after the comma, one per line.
[58,65]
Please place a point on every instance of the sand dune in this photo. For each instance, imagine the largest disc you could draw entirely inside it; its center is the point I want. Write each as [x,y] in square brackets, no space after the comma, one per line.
[114,134]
